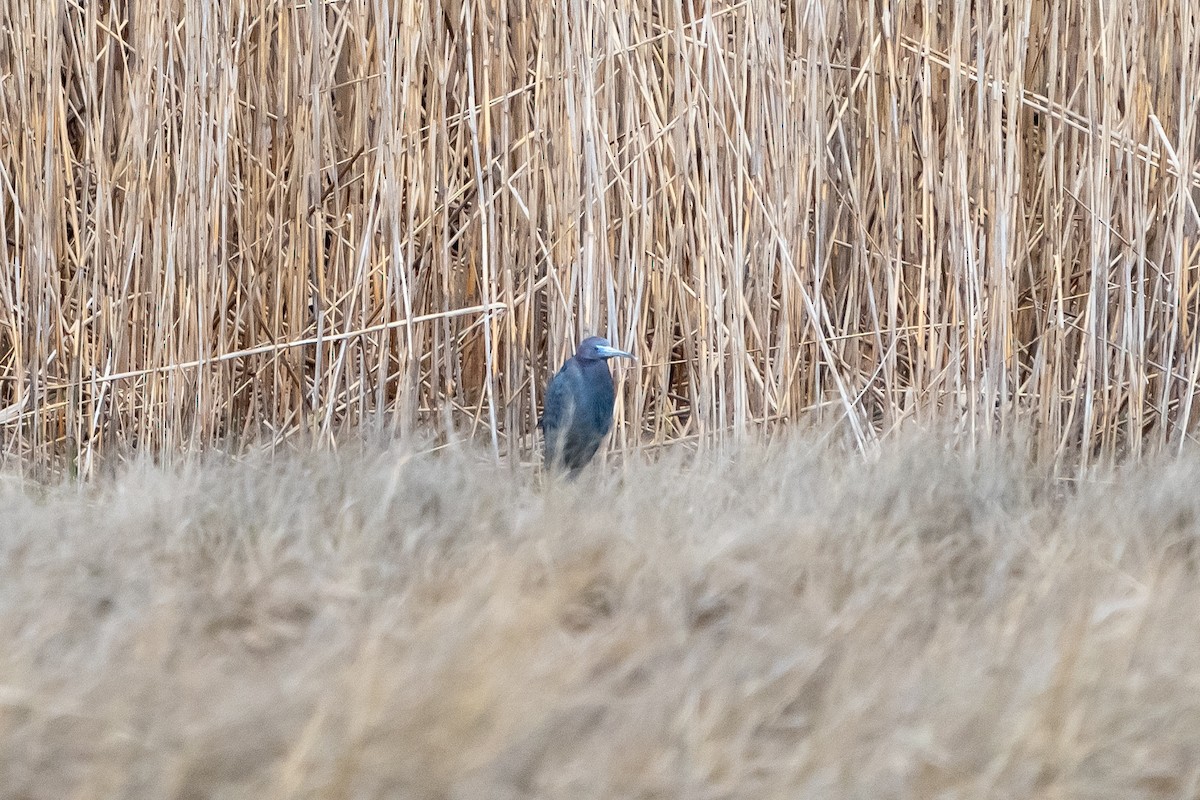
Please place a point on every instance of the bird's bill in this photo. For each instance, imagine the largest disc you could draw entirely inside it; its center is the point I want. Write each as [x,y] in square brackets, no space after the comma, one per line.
[611,352]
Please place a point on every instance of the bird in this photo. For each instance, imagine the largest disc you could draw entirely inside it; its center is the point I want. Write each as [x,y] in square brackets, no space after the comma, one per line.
[579,406]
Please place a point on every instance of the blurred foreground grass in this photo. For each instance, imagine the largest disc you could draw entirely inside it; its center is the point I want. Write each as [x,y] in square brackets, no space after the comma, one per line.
[784,622]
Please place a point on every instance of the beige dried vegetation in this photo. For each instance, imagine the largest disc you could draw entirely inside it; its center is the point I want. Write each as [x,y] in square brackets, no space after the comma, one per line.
[783,622]
[249,223]
[239,221]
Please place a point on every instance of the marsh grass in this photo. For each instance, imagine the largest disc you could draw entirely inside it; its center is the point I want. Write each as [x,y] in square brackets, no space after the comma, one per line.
[787,621]
[246,221]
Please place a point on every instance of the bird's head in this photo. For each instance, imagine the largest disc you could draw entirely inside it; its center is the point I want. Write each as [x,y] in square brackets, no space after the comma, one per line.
[597,348]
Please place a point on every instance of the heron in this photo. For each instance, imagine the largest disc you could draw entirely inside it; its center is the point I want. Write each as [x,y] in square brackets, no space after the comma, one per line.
[579,405]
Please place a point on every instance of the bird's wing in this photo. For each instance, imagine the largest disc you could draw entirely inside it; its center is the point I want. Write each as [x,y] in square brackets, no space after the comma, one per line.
[557,399]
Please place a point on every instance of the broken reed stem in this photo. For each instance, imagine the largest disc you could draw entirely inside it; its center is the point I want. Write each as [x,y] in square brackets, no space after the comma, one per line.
[842,211]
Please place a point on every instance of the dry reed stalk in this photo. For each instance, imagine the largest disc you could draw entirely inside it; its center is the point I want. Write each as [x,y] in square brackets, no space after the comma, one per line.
[871,211]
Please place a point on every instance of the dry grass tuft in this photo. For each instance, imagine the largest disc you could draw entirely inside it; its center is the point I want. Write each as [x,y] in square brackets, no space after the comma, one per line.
[789,622]
[239,221]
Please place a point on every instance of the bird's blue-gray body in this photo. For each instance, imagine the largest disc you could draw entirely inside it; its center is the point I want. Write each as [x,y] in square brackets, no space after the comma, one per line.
[579,406]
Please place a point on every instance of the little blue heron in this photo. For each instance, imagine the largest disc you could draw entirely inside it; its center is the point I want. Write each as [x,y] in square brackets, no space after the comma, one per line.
[579,405]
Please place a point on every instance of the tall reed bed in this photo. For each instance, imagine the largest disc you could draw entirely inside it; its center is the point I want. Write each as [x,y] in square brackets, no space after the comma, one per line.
[251,220]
